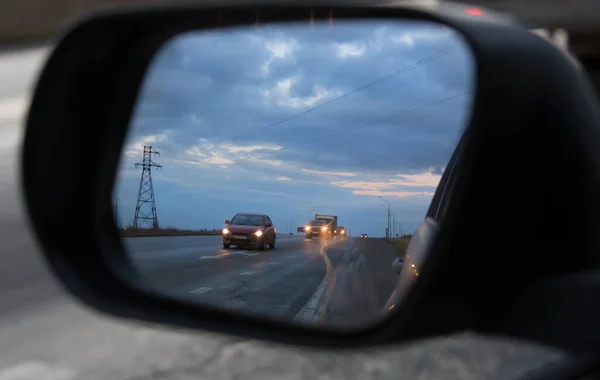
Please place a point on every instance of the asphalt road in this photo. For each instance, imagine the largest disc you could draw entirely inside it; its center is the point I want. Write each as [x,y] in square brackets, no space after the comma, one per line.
[339,282]
[46,334]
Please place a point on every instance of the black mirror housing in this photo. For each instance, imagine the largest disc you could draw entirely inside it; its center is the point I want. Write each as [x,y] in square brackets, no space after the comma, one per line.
[532,108]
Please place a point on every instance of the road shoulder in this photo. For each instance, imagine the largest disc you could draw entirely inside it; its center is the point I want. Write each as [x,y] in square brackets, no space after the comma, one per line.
[365,280]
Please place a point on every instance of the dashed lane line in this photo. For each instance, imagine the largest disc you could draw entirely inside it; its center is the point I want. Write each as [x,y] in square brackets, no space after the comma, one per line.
[201,290]
[247,273]
[244,253]
[212,257]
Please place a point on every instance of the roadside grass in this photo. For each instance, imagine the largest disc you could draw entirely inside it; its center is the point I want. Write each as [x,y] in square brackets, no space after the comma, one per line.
[400,244]
[169,231]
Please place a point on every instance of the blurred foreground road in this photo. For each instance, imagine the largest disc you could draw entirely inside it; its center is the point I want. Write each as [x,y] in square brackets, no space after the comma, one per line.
[341,281]
[45,334]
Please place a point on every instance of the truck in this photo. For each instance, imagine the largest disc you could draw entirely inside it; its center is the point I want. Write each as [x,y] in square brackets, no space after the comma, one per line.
[331,222]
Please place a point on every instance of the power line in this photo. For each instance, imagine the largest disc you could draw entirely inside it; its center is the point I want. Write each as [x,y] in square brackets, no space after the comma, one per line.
[380,120]
[370,84]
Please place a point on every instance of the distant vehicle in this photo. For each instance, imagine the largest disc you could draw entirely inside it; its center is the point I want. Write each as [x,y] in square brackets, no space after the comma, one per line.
[340,231]
[331,222]
[364,236]
[249,230]
[317,228]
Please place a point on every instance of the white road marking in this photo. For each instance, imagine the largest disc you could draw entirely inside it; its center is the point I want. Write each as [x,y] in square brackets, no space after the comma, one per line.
[215,256]
[274,263]
[247,273]
[227,254]
[33,370]
[291,257]
[201,290]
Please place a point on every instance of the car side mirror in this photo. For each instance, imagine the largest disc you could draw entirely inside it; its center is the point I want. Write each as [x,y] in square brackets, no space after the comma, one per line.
[552,126]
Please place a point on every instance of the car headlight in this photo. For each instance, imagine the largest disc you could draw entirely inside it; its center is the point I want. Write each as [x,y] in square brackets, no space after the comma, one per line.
[307,228]
[324,229]
[225,231]
[258,233]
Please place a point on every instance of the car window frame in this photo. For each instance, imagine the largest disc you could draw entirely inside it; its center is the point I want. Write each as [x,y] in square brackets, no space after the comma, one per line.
[439,203]
[442,207]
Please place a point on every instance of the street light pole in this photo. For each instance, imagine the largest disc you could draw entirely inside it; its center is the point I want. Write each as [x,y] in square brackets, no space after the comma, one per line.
[389,219]
[389,222]
[387,232]
[394,225]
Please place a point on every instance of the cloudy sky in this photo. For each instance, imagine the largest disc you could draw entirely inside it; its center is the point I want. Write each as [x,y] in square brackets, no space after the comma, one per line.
[284,119]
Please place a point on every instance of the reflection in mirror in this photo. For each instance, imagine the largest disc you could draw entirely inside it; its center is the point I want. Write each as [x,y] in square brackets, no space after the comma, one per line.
[319,145]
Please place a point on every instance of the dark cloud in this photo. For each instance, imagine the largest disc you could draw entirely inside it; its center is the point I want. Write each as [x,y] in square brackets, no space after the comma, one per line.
[209,89]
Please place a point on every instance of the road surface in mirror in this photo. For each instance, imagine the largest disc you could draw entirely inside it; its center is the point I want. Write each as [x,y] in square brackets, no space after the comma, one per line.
[317,281]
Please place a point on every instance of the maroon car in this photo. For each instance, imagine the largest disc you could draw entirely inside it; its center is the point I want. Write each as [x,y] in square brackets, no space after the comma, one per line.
[249,230]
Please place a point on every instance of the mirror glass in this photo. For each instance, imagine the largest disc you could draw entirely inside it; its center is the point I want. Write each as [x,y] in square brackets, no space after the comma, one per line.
[321,144]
